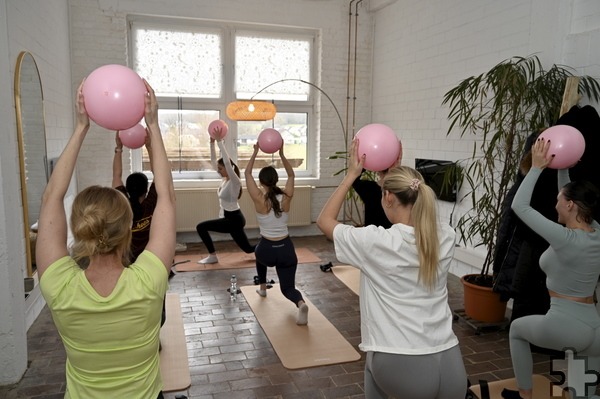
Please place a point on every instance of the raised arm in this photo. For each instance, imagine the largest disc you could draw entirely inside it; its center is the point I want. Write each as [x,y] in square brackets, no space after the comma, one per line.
[52,226]
[148,144]
[213,155]
[251,186]
[327,220]
[289,184]
[117,176]
[227,163]
[162,229]
[563,178]
[552,232]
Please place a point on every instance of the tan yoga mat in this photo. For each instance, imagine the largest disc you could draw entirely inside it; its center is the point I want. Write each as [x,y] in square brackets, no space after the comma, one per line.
[174,366]
[233,260]
[317,344]
[542,388]
[348,275]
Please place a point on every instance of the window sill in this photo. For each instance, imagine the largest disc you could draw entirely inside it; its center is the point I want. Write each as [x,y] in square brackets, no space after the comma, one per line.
[214,183]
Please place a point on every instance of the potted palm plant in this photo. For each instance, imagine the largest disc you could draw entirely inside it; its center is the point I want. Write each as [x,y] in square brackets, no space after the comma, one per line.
[500,108]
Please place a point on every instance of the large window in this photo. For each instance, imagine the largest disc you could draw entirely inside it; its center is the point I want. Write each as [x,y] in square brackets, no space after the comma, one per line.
[197,68]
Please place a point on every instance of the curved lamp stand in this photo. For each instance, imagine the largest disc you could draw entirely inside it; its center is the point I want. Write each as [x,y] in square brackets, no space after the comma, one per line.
[259,110]
[316,87]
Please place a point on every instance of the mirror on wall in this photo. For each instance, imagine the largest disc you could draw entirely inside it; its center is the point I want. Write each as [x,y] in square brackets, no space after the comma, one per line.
[31,132]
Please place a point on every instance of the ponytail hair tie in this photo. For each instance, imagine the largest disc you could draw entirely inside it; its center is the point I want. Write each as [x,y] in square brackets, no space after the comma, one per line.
[414,184]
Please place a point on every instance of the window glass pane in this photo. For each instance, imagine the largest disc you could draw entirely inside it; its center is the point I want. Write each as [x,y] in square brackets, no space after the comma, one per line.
[185,134]
[293,128]
[179,62]
[264,59]
[187,64]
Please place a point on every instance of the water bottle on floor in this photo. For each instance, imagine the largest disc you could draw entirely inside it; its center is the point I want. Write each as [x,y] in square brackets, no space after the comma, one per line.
[233,288]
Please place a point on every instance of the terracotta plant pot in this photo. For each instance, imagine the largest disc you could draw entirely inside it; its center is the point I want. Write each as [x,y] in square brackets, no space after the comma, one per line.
[481,303]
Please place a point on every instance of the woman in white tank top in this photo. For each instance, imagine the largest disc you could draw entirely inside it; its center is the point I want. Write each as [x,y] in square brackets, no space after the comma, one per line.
[275,247]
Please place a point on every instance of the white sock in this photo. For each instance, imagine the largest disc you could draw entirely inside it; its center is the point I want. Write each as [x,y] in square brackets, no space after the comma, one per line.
[302,319]
[209,259]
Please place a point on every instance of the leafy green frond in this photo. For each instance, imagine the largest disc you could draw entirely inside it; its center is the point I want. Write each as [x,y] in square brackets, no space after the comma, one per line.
[502,107]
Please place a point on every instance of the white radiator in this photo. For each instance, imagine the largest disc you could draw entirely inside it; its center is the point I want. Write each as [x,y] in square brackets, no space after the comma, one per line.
[198,204]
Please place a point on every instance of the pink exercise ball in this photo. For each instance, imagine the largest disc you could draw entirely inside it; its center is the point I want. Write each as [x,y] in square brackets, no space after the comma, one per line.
[114,97]
[134,137]
[566,143]
[380,145]
[213,128]
[270,141]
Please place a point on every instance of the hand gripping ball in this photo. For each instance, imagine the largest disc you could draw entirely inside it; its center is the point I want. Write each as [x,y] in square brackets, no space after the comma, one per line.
[379,144]
[566,143]
[217,129]
[270,141]
[134,137]
[114,97]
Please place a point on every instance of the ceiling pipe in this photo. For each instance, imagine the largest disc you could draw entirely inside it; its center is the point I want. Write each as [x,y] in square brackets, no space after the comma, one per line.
[355,58]
[349,70]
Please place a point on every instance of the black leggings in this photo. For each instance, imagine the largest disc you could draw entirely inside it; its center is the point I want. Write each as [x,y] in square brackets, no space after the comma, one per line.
[233,223]
[282,255]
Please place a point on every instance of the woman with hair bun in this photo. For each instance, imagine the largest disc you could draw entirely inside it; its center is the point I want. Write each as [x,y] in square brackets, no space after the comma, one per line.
[275,247]
[406,322]
[107,311]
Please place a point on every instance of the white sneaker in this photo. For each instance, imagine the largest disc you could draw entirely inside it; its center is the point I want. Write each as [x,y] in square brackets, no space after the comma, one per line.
[262,293]
[180,247]
[210,259]
[302,319]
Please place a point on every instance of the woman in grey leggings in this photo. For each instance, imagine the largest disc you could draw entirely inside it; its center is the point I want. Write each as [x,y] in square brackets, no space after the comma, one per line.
[438,375]
[405,320]
[572,267]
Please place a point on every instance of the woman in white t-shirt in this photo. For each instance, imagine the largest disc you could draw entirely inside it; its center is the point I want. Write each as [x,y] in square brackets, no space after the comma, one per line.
[406,322]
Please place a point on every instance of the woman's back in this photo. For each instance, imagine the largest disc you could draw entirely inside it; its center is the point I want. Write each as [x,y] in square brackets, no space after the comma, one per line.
[391,290]
[271,225]
[111,341]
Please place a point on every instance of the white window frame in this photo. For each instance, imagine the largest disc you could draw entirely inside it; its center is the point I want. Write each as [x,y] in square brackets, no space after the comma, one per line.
[229,31]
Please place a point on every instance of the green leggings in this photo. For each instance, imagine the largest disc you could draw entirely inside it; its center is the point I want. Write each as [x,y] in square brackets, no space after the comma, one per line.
[567,325]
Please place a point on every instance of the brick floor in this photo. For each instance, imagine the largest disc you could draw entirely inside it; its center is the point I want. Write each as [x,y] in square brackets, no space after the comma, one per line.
[230,356]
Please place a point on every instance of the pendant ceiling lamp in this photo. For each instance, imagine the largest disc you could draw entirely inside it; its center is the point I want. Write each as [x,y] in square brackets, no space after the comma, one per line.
[251,110]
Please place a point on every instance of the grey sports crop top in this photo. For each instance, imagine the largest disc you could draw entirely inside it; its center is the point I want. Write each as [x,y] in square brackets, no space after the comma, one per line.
[572,262]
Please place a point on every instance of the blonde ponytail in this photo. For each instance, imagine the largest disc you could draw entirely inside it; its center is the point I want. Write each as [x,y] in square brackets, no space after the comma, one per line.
[409,187]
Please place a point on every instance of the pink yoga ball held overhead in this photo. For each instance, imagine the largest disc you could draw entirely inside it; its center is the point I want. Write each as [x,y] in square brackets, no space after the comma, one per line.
[134,137]
[566,144]
[217,129]
[270,141]
[114,97]
[379,144]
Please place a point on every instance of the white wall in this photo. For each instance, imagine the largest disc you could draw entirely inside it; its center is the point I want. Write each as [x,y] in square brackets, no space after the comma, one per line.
[416,60]
[12,309]
[42,29]
[99,37]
